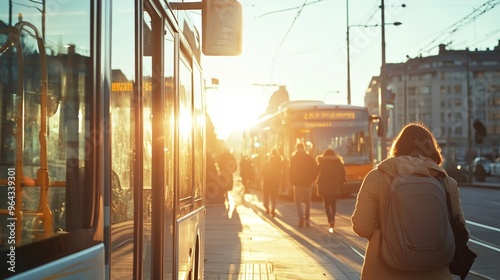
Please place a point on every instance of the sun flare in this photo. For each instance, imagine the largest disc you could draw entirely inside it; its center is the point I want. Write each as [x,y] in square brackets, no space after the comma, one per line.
[234,110]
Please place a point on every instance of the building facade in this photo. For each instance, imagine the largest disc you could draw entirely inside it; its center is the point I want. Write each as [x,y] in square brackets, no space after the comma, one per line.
[453,93]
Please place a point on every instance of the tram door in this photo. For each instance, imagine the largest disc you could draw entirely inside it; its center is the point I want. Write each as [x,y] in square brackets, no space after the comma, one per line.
[142,106]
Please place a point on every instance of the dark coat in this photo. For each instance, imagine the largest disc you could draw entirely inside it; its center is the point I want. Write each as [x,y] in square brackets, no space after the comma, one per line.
[271,174]
[331,175]
[302,169]
[227,166]
[246,169]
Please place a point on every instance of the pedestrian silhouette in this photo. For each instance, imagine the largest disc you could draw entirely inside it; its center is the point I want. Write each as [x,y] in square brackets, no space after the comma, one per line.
[227,166]
[271,181]
[331,178]
[247,172]
[302,176]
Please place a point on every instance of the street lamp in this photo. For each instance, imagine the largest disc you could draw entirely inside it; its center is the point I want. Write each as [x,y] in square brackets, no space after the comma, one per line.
[348,59]
[348,48]
[383,75]
[383,86]
[383,91]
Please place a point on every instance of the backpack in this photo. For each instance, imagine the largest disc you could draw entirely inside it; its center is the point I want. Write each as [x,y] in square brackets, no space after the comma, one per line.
[417,235]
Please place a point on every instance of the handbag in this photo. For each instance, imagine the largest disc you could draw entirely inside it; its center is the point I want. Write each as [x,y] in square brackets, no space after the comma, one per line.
[464,257]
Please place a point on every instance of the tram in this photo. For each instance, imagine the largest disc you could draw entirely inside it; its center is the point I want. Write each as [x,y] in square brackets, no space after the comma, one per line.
[347,129]
[102,140]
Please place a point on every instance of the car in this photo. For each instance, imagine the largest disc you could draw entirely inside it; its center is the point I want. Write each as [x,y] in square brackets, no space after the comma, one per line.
[495,167]
[484,162]
[458,170]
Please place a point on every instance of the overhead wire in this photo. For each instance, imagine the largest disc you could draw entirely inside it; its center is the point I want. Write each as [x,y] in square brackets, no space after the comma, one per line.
[447,33]
[286,34]
[290,28]
[288,9]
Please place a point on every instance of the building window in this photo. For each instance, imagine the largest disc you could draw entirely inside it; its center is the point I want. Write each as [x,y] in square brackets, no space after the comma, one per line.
[412,91]
[426,76]
[489,63]
[448,63]
[452,75]
[426,118]
[412,104]
[424,90]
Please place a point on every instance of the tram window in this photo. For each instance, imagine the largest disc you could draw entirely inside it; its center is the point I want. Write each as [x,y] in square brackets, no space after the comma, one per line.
[122,128]
[199,124]
[45,89]
[169,128]
[147,146]
[185,132]
[122,114]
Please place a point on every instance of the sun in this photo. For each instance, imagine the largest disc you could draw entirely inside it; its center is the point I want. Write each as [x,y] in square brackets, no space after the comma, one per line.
[234,110]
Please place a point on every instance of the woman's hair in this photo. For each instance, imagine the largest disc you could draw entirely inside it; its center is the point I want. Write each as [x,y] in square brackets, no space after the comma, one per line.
[300,147]
[274,152]
[328,152]
[416,139]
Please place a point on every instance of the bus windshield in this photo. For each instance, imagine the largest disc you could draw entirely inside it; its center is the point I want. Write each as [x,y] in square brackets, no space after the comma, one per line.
[347,139]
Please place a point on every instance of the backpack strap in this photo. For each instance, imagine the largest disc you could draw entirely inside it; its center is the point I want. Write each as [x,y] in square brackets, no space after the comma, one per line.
[448,201]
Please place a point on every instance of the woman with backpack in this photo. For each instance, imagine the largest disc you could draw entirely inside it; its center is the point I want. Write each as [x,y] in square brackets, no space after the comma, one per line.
[331,177]
[415,155]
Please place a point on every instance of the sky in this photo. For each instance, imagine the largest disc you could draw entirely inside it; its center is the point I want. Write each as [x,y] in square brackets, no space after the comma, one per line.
[302,44]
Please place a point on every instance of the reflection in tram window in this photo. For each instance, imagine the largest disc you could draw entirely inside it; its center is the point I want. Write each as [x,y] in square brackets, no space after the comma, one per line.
[45,118]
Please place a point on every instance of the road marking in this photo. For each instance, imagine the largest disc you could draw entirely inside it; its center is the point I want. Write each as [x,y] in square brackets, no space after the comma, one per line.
[480,243]
[483,226]
[484,245]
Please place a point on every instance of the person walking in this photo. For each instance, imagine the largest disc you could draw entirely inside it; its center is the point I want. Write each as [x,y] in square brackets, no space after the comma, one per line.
[302,176]
[271,181]
[227,166]
[414,151]
[331,177]
[246,172]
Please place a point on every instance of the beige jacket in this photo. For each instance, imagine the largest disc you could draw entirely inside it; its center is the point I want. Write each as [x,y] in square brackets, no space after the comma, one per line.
[371,203]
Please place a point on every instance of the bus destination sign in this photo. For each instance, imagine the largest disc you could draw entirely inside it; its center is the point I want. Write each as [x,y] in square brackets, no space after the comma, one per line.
[326,115]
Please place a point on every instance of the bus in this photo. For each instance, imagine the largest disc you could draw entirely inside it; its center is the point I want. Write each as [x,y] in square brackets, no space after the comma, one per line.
[102,139]
[347,129]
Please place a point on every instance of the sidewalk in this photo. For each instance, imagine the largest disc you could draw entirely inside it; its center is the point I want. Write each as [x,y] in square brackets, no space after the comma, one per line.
[490,182]
[242,242]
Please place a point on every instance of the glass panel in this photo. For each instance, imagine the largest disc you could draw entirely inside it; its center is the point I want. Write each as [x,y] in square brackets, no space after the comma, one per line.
[45,112]
[169,153]
[185,132]
[122,140]
[199,130]
[147,126]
